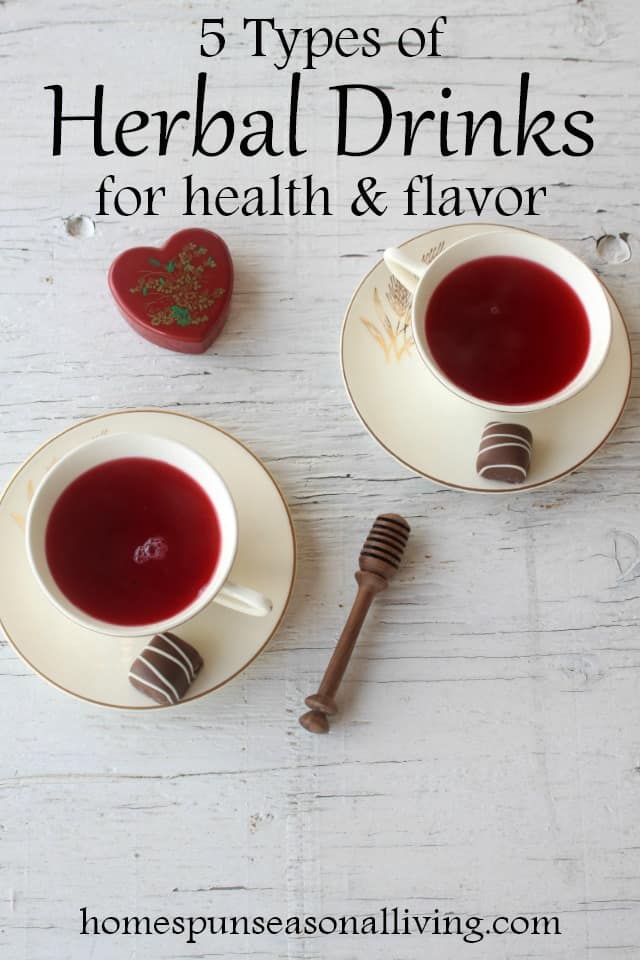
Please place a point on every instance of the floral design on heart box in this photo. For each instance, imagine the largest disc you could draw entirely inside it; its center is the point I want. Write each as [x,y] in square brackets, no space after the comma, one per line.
[177,296]
[174,289]
[393,333]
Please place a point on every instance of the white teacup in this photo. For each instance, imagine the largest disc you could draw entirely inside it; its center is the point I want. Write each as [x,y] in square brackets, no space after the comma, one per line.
[112,447]
[422,279]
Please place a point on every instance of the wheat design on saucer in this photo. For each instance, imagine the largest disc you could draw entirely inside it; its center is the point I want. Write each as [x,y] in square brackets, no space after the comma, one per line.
[18,517]
[391,328]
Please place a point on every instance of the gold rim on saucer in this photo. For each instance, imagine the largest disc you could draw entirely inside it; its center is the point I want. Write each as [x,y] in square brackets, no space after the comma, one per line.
[28,620]
[436,434]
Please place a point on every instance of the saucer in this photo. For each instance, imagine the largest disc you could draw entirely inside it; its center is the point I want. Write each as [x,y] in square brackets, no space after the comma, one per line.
[436,433]
[95,667]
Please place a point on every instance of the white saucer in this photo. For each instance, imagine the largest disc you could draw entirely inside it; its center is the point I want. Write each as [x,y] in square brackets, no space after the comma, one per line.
[435,433]
[94,667]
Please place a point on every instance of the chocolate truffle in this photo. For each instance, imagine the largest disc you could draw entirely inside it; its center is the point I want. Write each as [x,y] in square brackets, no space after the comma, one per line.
[165,669]
[505,452]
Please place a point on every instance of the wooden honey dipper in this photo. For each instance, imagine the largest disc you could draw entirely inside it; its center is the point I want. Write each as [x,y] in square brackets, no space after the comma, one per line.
[380,557]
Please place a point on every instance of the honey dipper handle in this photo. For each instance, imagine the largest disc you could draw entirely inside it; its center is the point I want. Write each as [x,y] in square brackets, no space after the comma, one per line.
[323,703]
[368,585]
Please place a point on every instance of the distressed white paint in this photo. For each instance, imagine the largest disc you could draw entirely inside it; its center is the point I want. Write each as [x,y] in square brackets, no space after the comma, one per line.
[488,754]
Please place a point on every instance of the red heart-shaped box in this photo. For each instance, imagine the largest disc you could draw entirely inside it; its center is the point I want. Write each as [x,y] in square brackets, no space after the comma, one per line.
[176,296]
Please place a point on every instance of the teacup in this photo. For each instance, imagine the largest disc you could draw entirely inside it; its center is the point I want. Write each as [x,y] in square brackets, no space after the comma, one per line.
[136,445]
[422,280]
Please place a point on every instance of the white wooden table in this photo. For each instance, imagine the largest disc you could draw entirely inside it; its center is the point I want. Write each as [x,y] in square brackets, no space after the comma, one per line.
[487,758]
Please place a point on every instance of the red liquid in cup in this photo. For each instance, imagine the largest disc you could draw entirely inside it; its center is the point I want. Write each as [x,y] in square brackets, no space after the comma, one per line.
[133,541]
[507,330]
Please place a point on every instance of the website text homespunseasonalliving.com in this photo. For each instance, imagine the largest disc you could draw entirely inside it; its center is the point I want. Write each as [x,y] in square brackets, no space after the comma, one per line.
[387,921]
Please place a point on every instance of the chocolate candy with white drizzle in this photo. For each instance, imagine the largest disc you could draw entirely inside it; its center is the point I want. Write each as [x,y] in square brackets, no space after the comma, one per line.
[165,669]
[505,452]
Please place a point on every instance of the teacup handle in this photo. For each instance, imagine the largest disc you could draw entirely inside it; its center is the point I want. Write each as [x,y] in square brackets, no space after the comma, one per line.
[243,599]
[407,270]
